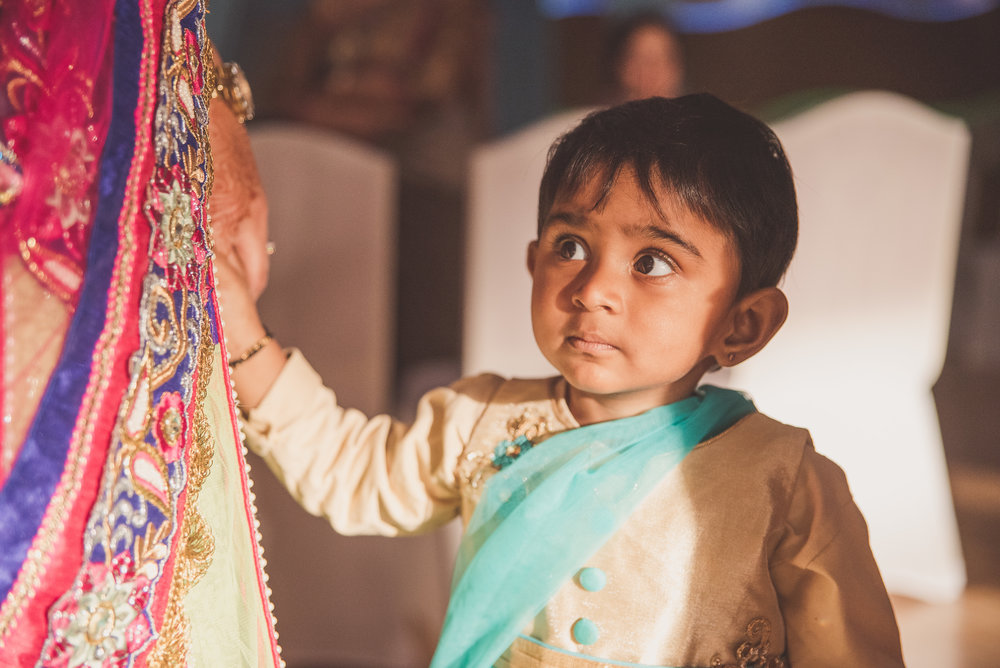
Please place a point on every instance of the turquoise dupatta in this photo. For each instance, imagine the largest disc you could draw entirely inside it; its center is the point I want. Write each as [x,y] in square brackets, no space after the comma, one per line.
[543,516]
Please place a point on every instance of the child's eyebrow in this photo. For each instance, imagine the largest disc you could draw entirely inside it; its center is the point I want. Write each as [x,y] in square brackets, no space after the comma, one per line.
[660,232]
[647,231]
[569,217]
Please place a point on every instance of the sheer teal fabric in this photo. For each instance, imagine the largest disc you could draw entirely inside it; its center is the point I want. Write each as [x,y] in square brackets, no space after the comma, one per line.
[543,516]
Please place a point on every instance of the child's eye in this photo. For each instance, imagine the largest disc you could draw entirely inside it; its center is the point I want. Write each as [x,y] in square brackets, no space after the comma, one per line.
[570,249]
[653,265]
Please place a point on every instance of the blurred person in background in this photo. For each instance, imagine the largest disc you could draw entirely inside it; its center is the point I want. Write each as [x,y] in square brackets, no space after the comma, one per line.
[644,58]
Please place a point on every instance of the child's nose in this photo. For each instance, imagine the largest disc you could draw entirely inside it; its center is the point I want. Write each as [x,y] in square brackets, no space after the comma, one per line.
[598,287]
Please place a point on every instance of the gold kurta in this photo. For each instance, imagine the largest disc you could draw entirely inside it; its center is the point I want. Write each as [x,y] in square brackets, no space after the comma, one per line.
[749,553]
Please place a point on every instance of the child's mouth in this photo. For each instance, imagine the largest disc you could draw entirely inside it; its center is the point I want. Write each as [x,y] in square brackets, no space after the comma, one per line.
[589,344]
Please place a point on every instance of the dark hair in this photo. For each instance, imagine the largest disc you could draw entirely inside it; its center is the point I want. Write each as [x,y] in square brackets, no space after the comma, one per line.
[722,164]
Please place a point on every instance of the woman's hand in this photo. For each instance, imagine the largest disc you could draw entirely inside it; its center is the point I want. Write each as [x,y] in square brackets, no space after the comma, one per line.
[238,205]
[241,323]
[238,208]
[241,320]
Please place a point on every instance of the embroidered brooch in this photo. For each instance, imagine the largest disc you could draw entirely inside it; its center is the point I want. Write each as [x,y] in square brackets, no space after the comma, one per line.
[520,431]
[507,451]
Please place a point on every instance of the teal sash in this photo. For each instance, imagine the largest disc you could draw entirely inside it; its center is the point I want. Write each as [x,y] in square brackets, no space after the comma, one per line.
[543,516]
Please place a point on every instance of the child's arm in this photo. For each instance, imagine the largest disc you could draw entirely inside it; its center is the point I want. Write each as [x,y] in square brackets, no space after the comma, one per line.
[364,475]
[834,603]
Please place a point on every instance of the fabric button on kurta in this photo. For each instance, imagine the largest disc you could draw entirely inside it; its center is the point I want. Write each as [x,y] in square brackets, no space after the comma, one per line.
[592,579]
[585,631]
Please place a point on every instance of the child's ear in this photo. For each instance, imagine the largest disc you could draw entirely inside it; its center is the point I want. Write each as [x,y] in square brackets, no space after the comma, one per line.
[755,319]
[532,251]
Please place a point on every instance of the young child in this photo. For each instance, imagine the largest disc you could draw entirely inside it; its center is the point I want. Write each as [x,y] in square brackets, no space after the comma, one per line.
[617,514]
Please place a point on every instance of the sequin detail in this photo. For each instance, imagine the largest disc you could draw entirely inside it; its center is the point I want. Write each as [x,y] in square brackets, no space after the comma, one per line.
[506,452]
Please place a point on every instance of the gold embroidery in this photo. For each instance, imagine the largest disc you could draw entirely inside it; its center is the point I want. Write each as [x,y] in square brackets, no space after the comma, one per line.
[170,329]
[150,549]
[755,651]
[185,7]
[148,472]
[21,77]
[197,545]
[196,167]
[138,403]
[527,424]
[480,465]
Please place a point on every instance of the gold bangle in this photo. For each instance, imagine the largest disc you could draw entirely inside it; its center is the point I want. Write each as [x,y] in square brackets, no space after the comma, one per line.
[228,82]
[252,350]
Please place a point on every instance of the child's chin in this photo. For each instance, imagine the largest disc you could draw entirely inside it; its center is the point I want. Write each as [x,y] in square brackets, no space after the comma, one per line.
[595,386]
[593,377]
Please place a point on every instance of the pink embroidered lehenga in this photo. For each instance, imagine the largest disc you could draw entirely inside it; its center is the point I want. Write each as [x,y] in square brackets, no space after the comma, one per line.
[127,532]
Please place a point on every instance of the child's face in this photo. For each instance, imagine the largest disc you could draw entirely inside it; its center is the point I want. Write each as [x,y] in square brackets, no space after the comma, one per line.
[630,307]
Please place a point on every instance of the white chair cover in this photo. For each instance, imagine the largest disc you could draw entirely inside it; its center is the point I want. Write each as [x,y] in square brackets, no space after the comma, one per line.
[332,204]
[503,210]
[881,181]
[339,601]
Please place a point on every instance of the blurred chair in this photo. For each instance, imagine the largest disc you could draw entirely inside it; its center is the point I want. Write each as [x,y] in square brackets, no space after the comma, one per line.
[881,181]
[332,203]
[503,214]
[881,185]
[339,601]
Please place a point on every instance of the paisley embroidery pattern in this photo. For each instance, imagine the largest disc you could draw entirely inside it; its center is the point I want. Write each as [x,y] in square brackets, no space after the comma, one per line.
[198,541]
[162,446]
[105,173]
